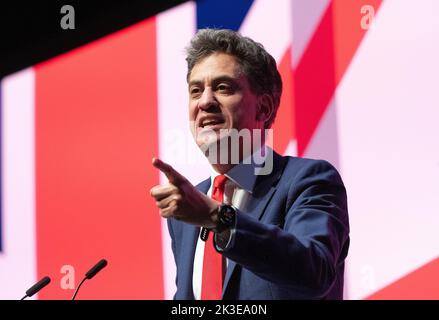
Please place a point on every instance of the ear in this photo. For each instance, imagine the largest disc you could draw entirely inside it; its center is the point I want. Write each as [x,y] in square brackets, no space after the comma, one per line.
[265,107]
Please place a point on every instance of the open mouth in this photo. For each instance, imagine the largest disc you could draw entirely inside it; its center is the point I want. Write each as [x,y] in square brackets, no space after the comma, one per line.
[210,123]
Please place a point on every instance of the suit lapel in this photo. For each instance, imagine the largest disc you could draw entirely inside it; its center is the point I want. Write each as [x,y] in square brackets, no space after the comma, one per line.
[190,238]
[262,194]
[265,187]
[189,242]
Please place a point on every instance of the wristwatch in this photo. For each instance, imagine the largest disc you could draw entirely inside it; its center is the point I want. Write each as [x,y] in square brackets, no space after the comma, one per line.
[226,218]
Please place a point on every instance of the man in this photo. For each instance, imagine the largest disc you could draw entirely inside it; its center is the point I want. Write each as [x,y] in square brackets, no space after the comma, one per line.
[244,233]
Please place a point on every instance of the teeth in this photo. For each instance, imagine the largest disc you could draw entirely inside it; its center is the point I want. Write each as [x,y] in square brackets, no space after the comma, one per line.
[210,122]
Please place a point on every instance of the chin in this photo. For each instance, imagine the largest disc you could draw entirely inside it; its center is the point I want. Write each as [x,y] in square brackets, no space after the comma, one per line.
[206,140]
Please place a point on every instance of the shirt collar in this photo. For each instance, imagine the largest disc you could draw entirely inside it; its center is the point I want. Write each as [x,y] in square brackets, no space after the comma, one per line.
[244,173]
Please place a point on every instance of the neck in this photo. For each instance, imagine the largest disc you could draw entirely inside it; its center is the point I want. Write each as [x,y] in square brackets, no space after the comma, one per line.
[240,151]
[222,168]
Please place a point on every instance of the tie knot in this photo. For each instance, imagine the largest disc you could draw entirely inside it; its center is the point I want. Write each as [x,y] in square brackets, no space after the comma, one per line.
[218,188]
[219,181]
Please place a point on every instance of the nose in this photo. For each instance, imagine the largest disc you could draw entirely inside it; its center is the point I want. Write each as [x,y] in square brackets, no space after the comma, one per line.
[207,99]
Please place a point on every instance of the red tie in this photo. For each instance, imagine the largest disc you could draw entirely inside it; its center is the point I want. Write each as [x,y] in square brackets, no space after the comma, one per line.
[212,282]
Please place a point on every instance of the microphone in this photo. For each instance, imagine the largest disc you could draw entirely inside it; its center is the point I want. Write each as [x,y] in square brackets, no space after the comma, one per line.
[91,273]
[98,267]
[36,287]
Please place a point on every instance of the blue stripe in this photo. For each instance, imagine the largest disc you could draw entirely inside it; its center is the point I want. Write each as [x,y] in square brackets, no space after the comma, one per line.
[227,14]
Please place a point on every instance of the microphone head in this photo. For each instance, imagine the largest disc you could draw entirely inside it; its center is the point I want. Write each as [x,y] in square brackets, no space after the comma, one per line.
[98,267]
[38,286]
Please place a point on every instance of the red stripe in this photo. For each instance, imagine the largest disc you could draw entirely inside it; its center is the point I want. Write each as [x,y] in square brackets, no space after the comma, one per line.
[422,283]
[96,132]
[314,80]
[324,63]
[283,126]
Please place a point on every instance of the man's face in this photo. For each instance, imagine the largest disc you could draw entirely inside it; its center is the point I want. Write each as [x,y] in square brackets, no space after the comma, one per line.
[220,98]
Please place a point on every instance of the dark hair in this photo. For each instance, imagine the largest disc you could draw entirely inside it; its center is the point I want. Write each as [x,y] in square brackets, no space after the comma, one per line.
[257,64]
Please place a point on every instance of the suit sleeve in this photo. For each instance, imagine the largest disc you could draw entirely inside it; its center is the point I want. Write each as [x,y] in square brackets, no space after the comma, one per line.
[305,252]
[174,251]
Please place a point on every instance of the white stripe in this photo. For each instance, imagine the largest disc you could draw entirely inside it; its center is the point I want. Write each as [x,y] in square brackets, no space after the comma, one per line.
[324,141]
[306,17]
[270,24]
[291,149]
[18,259]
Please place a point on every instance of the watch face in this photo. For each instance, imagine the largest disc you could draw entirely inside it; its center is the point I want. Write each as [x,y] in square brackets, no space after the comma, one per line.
[228,213]
[226,217]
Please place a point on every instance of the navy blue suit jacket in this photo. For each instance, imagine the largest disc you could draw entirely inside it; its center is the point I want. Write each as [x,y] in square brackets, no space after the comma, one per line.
[292,242]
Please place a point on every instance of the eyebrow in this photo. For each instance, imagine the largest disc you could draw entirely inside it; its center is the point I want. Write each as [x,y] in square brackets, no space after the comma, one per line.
[215,80]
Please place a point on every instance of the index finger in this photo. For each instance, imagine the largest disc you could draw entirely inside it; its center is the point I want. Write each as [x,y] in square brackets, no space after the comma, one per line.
[173,175]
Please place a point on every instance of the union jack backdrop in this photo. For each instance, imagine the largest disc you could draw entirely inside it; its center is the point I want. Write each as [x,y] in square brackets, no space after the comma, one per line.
[78,133]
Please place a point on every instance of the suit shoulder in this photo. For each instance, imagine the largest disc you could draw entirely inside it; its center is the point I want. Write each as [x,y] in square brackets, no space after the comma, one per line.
[298,163]
[306,167]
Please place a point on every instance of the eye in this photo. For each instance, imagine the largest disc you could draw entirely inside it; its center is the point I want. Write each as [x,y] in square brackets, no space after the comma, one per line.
[224,87]
[194,91]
